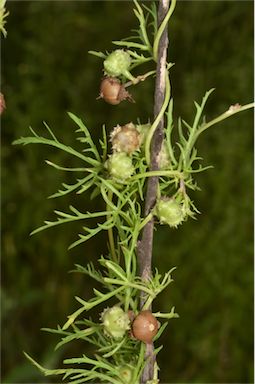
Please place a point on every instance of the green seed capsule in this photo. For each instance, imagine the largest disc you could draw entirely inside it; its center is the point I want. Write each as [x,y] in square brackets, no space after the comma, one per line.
[117,63]
[120,166]
[170,212]
[115,322]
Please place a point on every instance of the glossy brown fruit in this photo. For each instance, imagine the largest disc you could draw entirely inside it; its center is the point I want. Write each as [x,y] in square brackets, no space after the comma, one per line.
[145,326]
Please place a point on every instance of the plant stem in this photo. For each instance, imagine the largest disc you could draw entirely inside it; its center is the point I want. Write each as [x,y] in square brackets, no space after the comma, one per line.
[224,116]
[159,173]
[145,245]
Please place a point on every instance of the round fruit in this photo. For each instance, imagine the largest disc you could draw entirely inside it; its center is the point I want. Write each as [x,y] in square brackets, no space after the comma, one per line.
[170,212]
[125,138]
[113,92]
[117,63]
[115,322]
[120,166]
[145,326]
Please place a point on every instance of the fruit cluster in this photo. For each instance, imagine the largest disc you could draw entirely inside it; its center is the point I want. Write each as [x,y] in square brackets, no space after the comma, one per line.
[116,323]
[125,141]
[116,65]
[129,138]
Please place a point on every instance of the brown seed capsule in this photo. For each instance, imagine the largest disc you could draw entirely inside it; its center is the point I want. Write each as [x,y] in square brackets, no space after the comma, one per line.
[125,138]
[145,326]
[113,92]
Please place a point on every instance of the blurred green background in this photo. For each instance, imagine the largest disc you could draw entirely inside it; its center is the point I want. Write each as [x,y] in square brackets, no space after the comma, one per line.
[46,71]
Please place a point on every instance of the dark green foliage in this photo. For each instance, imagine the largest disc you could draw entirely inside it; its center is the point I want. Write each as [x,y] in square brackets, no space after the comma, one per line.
[46,71]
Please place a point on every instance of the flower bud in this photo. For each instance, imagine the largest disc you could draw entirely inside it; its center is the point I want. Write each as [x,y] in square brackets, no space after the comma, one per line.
[120,166]
[113,92]
[170,212]
[125,138]
[145,326]
[115,322]
[117,63]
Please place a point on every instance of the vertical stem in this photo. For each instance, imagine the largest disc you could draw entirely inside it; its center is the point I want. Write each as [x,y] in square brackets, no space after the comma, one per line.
[146,243]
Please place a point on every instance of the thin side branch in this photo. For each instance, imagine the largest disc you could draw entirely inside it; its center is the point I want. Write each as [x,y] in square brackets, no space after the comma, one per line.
[146,243]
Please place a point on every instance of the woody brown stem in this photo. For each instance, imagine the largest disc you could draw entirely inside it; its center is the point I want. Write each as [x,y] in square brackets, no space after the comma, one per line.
[146,243]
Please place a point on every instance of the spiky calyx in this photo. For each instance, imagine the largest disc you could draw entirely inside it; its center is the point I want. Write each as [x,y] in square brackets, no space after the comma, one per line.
[120,166]
[117,63]
[115,322]
[170,212]
[125,138]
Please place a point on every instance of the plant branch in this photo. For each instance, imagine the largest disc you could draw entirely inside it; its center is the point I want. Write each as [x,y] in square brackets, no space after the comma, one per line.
[146,243]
